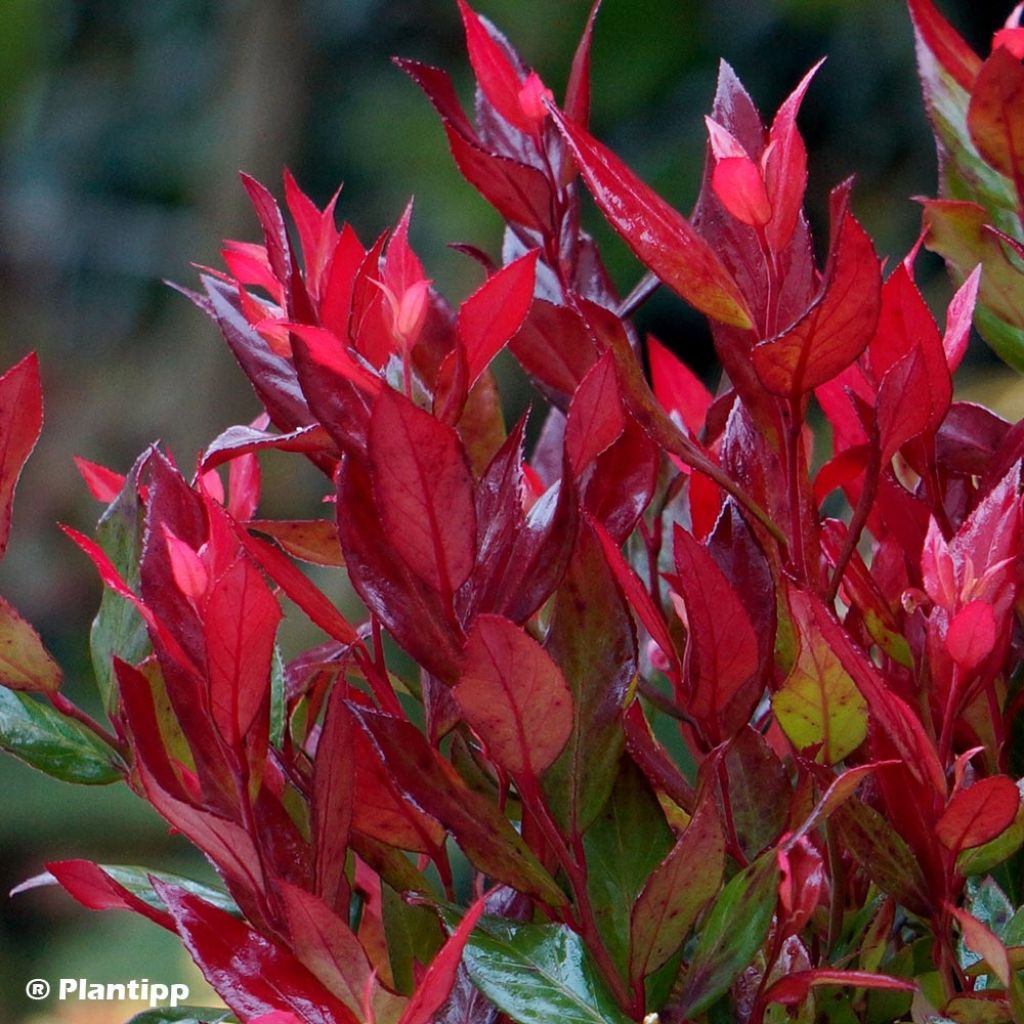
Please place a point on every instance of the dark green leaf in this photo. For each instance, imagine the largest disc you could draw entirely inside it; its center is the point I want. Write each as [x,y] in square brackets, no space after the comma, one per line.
[54,744]
[623,846]
[538,974]
[591,639]
[413,937]
[732,934]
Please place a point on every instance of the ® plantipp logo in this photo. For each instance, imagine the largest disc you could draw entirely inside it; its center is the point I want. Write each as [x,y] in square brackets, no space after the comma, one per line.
[136,990]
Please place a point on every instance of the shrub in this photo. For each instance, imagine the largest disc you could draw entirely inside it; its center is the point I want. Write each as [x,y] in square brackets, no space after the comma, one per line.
[663,720]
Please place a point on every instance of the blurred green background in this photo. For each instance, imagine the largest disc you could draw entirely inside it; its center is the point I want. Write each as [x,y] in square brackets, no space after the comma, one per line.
[122,127]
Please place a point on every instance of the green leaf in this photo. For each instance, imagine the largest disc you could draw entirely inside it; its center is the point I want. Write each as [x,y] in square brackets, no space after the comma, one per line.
[56,745]
[591,639]
[137,881]
[25,663]
[277,699]
[732,934]
[538,974]
[819,704]
[623,846]
[118,628]
[182,1015]
[413,937]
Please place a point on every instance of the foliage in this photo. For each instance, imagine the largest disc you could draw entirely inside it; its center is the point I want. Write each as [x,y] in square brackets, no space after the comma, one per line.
[692,728]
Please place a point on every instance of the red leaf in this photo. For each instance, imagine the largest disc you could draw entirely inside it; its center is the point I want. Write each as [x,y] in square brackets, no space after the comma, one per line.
[554,346]
[995,117]
[249,972]
[794,988]
[436,984]
[326,946]
[96,890]
[498,77]
[238,440]
[677,387]
[660,236]
[411,611]
[595,420]
[972,635]
[424,492]
[104,484]
[959,317]
[21,420]
[785,172]
[636,593]
[332,801]
[495,311]
[983,941]
[841,320]
[721,645]
[577,89]
[299,588]
[514,697]
[937,42]
[975,815]
[240,620]
[900,420]
[336,301]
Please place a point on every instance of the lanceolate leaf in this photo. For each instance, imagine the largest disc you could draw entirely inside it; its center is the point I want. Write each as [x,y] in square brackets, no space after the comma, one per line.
[721,646]
[241,618]
[494,312]
[840,322]
[677,891]
[595,420]
[995,117]
[21,419]
[24,661]
[514,696]
[484,833]
[424,492]
[249,972]
[660,236]
[731,936]
[56,745]
[538,974]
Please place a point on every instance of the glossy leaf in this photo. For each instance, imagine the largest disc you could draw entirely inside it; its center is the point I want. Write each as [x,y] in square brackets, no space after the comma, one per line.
[731,935]
[538,973]
[39,736]
[661,237]
[978,814]
[249,972]
[595,421]
[514,697]
[494,312]
[840,322]
[424,492]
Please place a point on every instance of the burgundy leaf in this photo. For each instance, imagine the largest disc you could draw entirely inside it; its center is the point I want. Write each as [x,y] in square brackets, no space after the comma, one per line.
[793,989]
[424,492]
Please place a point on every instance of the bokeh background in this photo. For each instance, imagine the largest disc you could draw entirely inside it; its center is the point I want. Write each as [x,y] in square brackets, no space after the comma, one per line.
[123,124]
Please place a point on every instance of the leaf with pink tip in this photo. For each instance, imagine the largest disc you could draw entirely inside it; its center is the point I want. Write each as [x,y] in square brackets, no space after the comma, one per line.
[21,419]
